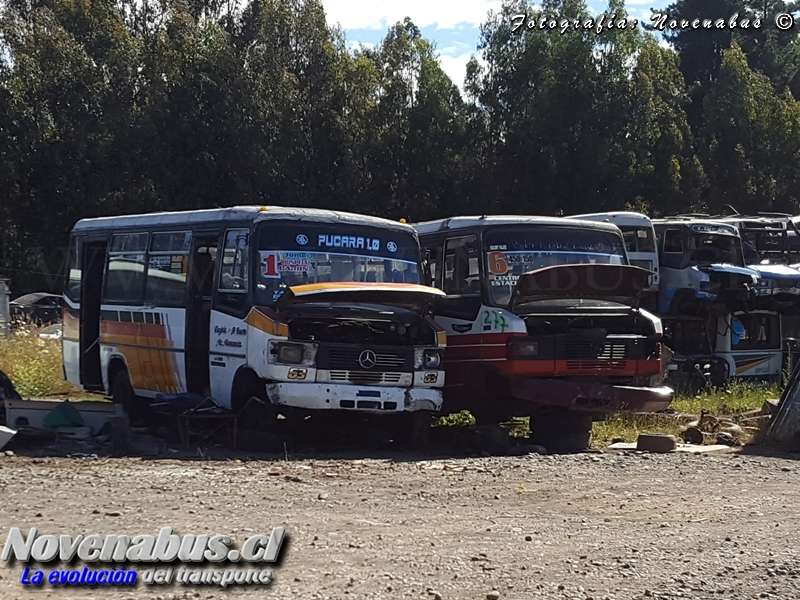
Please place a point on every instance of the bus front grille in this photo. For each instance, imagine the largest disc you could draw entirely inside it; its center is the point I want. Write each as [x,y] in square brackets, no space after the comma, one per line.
[365,377]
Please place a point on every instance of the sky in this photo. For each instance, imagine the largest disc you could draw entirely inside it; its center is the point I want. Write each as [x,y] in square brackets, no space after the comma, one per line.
[453,25]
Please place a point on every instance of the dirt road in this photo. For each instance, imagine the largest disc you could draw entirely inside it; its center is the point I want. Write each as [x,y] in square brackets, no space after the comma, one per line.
[598,526]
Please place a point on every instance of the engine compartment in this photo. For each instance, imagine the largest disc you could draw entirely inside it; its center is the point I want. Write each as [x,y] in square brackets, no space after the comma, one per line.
[631,323]
[363,331]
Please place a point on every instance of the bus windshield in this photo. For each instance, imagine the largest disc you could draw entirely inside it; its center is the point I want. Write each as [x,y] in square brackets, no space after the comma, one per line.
[638,239]
[298,253]
[708,248]
[514,251]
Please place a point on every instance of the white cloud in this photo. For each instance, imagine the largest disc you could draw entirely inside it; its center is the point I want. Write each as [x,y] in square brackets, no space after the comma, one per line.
[353,45]
[455,67]
[379,14]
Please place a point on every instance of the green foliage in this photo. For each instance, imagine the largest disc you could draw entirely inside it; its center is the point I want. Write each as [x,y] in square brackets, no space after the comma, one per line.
[111,107]
[33,364]
[459,419]
[739,396]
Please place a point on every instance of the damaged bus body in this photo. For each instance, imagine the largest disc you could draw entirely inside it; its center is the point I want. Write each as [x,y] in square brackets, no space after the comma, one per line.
[542,320]
[702,267]
[713,350]
[303,310]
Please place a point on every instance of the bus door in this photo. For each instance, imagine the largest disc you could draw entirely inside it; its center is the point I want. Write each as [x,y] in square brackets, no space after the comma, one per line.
[198,311]
[95,254]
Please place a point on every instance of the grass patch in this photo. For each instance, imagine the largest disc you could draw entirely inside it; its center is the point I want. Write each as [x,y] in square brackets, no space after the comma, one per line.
[627,427]
[459,419]
[731,401]
[34,364]
[736,398]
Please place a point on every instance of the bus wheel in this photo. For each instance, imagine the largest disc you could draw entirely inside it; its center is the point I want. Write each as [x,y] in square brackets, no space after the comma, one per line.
[414,430]
[562,431]
[122,393]
[255,411]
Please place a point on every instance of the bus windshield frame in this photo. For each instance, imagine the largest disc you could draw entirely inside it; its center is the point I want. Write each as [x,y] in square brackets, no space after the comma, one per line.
[639,239]
[293,253]
[534,247]
[701,245]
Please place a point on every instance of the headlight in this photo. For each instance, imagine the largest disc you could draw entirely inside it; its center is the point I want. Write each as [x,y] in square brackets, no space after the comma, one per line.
[431,360]
[290,353]
[522,349]
[707,286]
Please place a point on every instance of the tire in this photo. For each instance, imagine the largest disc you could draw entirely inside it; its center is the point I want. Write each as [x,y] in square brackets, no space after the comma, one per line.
[257,412]
[122,393]
[562,431]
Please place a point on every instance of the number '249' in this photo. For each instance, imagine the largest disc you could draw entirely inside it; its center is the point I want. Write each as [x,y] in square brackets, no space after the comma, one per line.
[495,319]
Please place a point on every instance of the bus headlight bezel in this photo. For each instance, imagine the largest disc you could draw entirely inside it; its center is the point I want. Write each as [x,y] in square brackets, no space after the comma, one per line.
[289,353]
[522,349]
[431,360]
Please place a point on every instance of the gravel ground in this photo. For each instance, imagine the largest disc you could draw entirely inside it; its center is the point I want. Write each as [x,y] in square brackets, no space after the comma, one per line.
[608,525]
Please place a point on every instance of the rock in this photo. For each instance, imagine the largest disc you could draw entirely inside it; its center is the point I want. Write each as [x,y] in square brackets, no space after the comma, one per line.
[732,428]
[770,406]
[725,438]
[493,595]
[656,442]
[322,496]
[528,538]
[436,595]
[692,435]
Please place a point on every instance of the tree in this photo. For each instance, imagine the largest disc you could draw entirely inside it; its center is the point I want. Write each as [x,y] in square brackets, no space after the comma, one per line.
[752,141]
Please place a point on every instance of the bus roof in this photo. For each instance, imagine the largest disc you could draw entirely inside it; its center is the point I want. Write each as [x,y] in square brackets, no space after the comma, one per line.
[616,217]
[235,213]
[683,222]
[455,223]
[757,222]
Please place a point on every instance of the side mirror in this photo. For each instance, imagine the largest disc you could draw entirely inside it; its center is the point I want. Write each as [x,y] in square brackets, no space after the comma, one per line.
[427,276]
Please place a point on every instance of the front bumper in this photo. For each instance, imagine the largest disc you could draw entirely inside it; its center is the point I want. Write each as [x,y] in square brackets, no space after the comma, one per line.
[357,398]
[590,396]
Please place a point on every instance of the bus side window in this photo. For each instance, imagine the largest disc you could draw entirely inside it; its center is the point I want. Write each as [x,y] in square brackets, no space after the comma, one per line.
[73,288]
[435,264]
[461,266]
[672,241]
[234,266]
[167,269]
[124,278]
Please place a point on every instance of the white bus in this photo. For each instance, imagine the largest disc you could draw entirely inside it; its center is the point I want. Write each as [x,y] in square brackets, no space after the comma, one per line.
[303,309]
[640,239]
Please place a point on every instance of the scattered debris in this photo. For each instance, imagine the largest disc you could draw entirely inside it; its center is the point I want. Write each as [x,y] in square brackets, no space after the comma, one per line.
[50,414]
[687,448]
[5,435]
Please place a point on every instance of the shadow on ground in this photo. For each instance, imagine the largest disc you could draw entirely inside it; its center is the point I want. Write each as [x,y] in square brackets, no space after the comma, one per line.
[303,443]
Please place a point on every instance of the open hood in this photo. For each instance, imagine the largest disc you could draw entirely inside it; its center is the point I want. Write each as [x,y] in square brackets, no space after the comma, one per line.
[726,268]
[410,296]
[613,283]
[776,271]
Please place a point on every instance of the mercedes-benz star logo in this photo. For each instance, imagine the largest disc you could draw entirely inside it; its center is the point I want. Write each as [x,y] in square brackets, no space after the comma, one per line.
[367,359]
[391,246]
[302,239]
